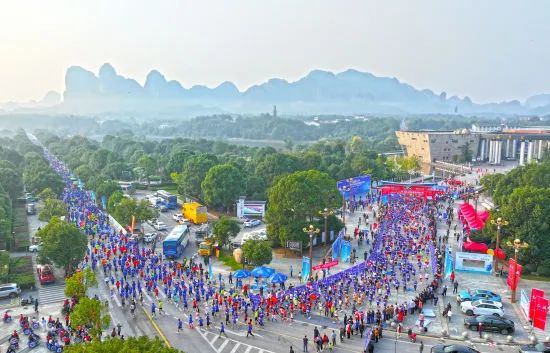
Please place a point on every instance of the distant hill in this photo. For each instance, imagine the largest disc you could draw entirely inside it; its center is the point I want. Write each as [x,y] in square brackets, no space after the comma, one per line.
[319,92]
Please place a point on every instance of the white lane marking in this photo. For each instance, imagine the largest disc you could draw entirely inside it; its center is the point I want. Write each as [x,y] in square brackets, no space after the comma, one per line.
[248,349]
[223,345]
[235,347]
[214,339]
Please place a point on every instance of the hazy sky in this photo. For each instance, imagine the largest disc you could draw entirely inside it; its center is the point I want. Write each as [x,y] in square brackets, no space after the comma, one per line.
[488,50]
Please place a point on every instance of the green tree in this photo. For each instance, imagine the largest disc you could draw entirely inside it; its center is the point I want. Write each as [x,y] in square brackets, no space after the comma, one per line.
[107,188]
[91,313]
[78,283]
[85,172]
[118,171]
[126,207]
[222,186]
[277,164]
[63,244]
[46,194]
[38,180]
[52,208]
[193,173]
[11,182]
[257,252]
[294,202]
[114,200]
[148,166]
[128,345]
[225,229]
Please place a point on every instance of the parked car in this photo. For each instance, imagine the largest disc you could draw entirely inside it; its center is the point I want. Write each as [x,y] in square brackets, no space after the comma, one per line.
[249,223]
[152,221]
[452,348]
[163,208]
[490,323]
[543,347]
[45,274]
[159,225]
[11,290]
[476,294]
[482,307]
[149,237]
[35,247]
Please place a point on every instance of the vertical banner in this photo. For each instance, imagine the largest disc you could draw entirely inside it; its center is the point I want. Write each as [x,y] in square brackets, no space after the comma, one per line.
[346,251]
[514,273]
[210,272]
[92,196]
[133,223]
[541,310]
[384,199]
[104,202]
[524,303]
[337,246]
[449,262]
[305,268]
[368,337]
[535,293]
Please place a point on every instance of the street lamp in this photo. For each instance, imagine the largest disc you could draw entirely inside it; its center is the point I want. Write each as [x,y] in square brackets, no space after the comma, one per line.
[499,223]
[311,230]
[517,245]
[326,213]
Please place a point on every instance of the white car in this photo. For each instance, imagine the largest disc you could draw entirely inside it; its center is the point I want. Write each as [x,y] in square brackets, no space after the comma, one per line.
[149,237]
[482,307]
[249,223]
[160,226]
[35,247]
[177,217]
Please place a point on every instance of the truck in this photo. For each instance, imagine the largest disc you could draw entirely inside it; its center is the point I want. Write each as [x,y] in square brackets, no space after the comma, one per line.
[207,247]
[202,233]
[195,212]
[31,209]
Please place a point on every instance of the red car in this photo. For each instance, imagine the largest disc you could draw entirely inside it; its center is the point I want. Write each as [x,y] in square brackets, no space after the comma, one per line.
[45,274]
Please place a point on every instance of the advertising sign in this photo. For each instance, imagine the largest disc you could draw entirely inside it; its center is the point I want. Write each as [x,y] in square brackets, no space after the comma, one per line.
[512,279]
[305,268]
[541,311]
[250,208]
[524,303]
[346,251]
[294,245]
[474,262]
[535,293]
[325,265]
[337,245]
[354,186]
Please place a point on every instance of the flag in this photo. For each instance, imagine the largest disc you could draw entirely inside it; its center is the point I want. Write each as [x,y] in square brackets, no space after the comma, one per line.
[210,272]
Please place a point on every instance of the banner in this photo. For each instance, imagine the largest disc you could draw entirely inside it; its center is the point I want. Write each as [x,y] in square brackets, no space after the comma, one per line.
[524,303]
[92,196]
[337,245]
[449,263]
[541,311]
[305,268]
[210,272]
[368,336]
[474,262]
[514,274]
[354,186]
[104,202]
[325,265]
[535,293]
[346,251]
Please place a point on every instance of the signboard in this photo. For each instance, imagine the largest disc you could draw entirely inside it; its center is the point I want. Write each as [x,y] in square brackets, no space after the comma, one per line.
[294,245]
[449,262]
[305,268]
[514,273]
[541,311]
[474,262]
[535,293]
[354,186]
[250,208]
[337,245]
[325,265]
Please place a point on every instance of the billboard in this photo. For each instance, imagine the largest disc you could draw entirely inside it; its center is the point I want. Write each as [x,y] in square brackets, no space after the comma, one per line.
[474,262]
[250,208]
[354,186]
[345,251]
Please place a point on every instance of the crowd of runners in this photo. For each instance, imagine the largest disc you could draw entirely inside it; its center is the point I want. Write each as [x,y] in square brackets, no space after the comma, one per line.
[403,255]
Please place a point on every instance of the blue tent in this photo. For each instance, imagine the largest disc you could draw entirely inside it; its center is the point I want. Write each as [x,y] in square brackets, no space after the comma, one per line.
[279,278]
[262,271]
[240,274]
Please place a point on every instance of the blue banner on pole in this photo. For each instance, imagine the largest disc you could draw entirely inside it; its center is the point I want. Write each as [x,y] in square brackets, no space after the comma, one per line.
[210,272]
[449,263]
[346,251]
[305,268]
[384,199]
[368,337]
[337,245]
[104,202]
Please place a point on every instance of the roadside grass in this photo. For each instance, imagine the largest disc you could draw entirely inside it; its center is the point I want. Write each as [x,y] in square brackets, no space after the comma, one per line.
[21,271]
[20,228]
[535,278]
[228,260]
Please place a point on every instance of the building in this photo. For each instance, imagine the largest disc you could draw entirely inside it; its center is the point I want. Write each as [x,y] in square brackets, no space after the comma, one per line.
[490,145]
[431,146]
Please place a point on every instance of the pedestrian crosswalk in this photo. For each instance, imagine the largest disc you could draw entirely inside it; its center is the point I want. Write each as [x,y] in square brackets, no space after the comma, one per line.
[50,294]
[222,344]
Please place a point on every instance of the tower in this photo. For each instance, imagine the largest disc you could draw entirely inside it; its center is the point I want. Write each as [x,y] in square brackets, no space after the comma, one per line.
[274,111]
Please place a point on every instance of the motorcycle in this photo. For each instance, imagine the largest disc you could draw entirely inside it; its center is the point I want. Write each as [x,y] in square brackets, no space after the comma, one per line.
[34,341]
[55,347]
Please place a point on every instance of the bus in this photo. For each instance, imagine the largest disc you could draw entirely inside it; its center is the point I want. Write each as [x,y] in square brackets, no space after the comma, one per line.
[169,200]
[127,187]
[176,241]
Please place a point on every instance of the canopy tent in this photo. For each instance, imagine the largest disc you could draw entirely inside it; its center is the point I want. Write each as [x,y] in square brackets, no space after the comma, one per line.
[278,278]
[476,247]
[262,271]
[467,215]
[240,274]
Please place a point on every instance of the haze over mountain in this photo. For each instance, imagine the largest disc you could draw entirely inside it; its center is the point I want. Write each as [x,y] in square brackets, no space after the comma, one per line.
[319,92]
